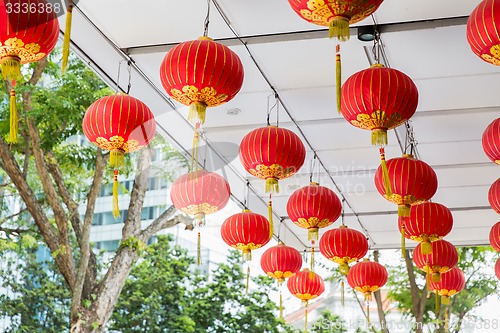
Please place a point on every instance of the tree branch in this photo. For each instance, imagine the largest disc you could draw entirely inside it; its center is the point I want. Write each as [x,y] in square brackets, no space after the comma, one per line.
[164,221]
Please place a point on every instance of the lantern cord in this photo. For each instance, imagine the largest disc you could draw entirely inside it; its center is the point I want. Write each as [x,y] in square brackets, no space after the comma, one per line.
[198,250]
[338,75]
[271,108]
[306,316]
[376,46]
[437,308]
[342,218]
[270,212]
[129,69]
[385,174]
[116,208]
[67,36]
[281,304]
[403,240]
[279,229]
[368,321]
[311,274]
[447,319]
[342,293]
[248,280]
[313,166]
[207,19]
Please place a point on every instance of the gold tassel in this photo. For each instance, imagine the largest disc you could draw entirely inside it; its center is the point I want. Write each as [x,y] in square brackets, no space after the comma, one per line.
[445,300]
[199,220]
[342,293]
[198,250]
[116,209]
[248,280]
[311,273]
[312,235]
[403,241]
[368,321]
[338,78]
[385,174]
[446,321]
[271,223]
[196,143]
[305,316]
[426,247]
[404,210]
[281,304]
[11,69]
[197,113]
[339,28]
[13,117]
[67,36]
[116,158]
[247,255]
[437,305]
[272,185]
[379,137]
[436,277]
[344,268]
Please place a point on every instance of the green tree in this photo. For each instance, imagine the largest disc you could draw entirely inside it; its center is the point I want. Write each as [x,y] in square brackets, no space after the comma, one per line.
[329,323]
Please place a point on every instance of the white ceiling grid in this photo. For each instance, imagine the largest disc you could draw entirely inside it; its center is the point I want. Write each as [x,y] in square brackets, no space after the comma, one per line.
[425,39]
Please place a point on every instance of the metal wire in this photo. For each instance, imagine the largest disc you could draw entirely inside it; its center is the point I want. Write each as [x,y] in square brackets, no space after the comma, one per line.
[207,19]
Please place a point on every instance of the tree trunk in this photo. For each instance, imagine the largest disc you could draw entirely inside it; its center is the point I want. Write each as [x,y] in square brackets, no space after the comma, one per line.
[380,304]
[418,296]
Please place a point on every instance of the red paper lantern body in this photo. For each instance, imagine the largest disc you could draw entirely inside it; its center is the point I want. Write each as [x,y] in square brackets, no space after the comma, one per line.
[497,269]
[343,246]
[246,231]
[378,99]
[444,257]
[313,207]
[200,193]
[306,285]
[452,282]
[367,277]
[201,73]
[281,262]
[337,14]
[272,153]
[495,237]
[491,139]
[494,196]
[483,31]
[428,222]
[412,182]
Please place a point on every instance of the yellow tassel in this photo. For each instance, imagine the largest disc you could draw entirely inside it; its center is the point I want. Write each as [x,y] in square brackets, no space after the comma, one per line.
[196,144]
[248,279]
[271,223]
[116,158]
[13,118]
[404,210]
[197,113]
[247,255]
[426,247]
[312,235]
[379,137]
[437,305]
[436,277]
[311,273]
[445,300]
[67,37]
[306,316]
[198,250]
[338,78]
[368,297]
[403,241]
[368,321]
[342,293]
[385,174]
[339,28]
[281,304]
[272,185]
[446,321]
[199,220]
[11,69]
[344,268]
[116,209]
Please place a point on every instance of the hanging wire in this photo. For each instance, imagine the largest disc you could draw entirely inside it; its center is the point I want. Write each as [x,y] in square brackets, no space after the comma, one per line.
[118,75]
[246,194]
[282,221]
[271,108]
[343,212]
[410,142]
[129,69]
[207,19]
[313,166]
[376,45]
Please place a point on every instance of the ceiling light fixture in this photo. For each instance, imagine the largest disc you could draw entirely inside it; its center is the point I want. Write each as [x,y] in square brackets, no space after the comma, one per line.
[366,33]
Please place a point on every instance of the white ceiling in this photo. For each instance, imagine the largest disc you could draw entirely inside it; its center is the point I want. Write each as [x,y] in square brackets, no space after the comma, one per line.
[425,39]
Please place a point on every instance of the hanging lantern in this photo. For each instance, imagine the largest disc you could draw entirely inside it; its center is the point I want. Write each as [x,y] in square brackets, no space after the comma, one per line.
[452,282]
[494,196]
[281,262]
[379,99]
[24,38]
[497,269]
[483,31]
[428,222]
[491,139]
[306,285]
[201,73]
[343,246]
[495,237]
[444,257]
[367,277]
[246,232]
[272,153]
[411,182]
[313,207]
[121,124]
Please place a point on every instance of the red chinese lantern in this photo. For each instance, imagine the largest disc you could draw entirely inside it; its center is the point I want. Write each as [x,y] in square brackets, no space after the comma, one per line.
[281,262]
[444,257]
[335,14]
[367,277]
[313,207]
[495,237]
[25,37]
[411,182]
[452,282]
[491,140]
[483,33]
[428,222]
[497,269]
[494,196]
[343,246]
[201,73]
[378,99]
[246,232]
[306,285]
[121,124]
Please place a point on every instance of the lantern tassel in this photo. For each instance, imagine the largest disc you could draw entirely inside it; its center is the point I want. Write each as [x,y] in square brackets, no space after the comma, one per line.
[306,316]
[67,36]
[14,121]
[368,321]
[248,280]
[271,223]
[196,143]
[197,113]
[385,174]
[404,210]
[272,185]
[338,78]
[339,28]
[281,304]
[342,293]
[446,320]
[403,241]
[437,308]
[445,300]
[116,208]
[436,277]
[311,273]
[198,250]
[344,268]
[426,247]
[116,158]
[247,255]
[379,137]
[312,235]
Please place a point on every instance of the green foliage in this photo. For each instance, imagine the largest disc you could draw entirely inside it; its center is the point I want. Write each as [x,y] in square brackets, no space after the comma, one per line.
[329,323]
